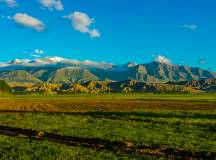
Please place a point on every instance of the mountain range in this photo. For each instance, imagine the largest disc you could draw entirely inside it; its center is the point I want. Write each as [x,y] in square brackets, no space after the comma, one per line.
[59,70]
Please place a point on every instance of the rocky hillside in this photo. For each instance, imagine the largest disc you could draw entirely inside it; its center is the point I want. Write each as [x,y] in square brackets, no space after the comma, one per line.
[156,72]
[208,85]
[129,86]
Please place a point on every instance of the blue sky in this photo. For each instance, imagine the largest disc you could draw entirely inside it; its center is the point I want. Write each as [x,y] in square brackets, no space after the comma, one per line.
[110,30]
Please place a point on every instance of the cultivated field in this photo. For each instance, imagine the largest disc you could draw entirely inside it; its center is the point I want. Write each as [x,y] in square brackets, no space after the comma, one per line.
[108,126]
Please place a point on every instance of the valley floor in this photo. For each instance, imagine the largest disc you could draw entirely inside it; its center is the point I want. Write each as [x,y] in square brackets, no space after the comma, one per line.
[108,126]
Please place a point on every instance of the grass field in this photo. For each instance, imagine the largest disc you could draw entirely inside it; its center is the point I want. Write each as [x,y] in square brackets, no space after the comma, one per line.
[108,126]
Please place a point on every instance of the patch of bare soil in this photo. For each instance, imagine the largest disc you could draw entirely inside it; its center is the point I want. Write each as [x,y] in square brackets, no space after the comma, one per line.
[101,105]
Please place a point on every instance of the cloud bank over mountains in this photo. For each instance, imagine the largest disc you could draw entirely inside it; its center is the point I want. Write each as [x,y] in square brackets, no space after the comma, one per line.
[64,62]
[49,61]
[46,61]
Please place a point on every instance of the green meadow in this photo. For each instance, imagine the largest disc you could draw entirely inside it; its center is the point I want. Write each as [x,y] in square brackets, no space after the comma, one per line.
[115,133]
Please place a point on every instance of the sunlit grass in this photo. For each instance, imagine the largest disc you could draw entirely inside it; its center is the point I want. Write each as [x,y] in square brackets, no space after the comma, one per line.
[184,130]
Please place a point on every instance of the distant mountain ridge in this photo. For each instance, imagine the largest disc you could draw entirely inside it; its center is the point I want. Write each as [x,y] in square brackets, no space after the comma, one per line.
[59,70]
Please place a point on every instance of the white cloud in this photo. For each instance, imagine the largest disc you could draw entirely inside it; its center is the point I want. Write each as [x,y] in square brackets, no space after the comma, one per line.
[9,17]
[94,33]
[29,21]
[82,22]
[53,59]
[190,26]
[35,55]
[52,4]
[19,61]
[39,51]
[201,61]
[6,17]
[162,59]
[10,3]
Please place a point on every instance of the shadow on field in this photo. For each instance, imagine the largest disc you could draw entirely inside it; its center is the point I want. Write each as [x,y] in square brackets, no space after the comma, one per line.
[116,147]
[146,117]
[120,114]
[143,115]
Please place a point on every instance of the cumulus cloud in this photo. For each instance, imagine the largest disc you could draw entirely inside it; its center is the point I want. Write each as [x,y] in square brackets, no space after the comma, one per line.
[52,4]
[190,26]
[25,20]
[162,59]
[10,3]
[82,22]
[201,61]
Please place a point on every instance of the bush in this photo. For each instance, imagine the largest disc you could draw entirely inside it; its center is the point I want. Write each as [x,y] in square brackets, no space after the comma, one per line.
[4,88]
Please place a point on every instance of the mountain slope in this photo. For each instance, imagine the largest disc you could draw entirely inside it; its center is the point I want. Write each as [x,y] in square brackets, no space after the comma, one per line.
[41,74]
[155,72]
[18,76]
[71,75]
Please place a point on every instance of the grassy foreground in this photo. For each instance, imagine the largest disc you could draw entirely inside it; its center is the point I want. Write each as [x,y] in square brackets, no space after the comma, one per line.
[116,131]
